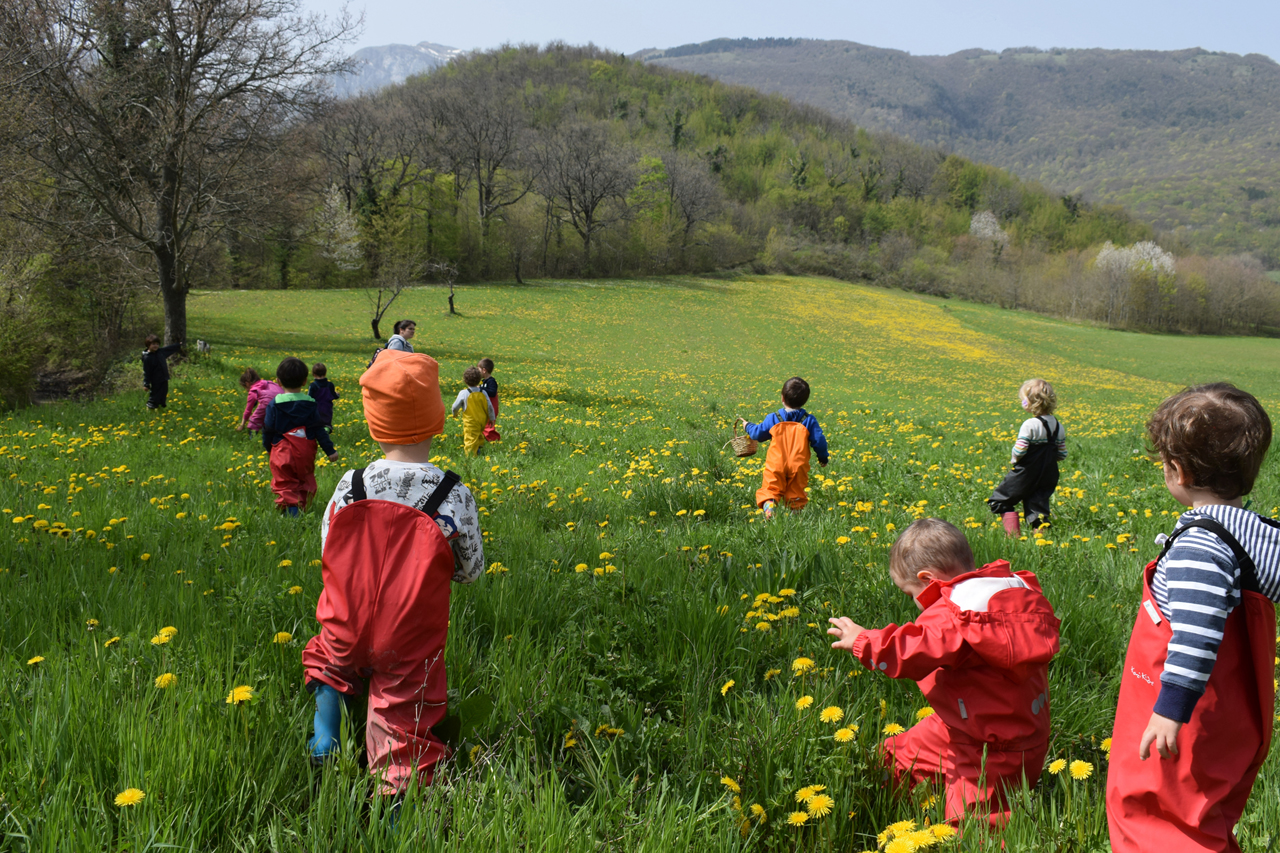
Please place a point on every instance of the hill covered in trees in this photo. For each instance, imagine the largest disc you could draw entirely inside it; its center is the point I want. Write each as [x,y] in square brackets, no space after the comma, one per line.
[1189,140]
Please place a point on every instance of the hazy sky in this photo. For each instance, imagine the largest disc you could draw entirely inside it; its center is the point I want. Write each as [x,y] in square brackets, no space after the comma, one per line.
[918,26]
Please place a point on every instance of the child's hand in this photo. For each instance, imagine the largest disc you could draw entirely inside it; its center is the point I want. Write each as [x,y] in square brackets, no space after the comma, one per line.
[333,457]
[240,426]
[1163,732]
[845,630]
[823,464]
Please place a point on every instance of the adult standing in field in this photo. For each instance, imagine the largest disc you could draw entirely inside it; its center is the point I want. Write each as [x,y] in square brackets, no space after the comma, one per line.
[403,333]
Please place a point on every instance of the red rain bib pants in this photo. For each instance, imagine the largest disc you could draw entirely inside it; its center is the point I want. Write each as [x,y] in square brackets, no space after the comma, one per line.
[786,466]
[384,617]
[1193,800]
[293,469]
[491,431]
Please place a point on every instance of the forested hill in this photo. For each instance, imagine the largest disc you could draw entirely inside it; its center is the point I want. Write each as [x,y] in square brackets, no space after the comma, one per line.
[1189,140]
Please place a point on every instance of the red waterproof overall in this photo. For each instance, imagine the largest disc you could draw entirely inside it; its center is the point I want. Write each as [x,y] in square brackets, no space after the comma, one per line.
[786,466]
[490,430]
[384,617]
[293,469]
[1193,800]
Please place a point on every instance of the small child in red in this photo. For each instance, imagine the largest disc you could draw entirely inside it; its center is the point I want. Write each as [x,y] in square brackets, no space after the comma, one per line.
[291,429]
[980,651]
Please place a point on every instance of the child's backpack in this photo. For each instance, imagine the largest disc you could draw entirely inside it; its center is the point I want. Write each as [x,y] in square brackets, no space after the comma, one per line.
[372,359]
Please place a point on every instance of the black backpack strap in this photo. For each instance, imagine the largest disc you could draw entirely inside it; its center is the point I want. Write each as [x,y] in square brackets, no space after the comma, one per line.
[446,484]
[1248,571]
[357,492]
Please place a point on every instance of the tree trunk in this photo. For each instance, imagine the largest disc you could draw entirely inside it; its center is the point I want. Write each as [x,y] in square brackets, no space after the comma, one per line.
[451,310]
[175,299]
[377,336]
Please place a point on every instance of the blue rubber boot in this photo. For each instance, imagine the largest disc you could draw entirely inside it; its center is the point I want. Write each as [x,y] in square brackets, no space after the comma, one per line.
[328,723]
[294,512]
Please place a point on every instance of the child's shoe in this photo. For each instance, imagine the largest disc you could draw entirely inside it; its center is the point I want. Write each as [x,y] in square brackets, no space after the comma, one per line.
[328,723]
[768,510]
[1012,526]
[292,510]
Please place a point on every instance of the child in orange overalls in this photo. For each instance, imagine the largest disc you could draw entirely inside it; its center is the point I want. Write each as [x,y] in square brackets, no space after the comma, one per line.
[792,432]
[1197,688]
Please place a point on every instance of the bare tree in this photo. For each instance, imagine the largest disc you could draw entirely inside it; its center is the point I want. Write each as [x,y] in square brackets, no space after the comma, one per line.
[446,273]
[694,195]
[587,174]
[161,116]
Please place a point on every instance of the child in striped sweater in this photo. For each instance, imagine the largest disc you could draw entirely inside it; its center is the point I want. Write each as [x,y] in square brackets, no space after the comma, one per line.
[1197,685]
[1033,477]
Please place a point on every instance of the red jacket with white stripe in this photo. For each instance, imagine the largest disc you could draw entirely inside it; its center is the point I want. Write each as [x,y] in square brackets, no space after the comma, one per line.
[980,651]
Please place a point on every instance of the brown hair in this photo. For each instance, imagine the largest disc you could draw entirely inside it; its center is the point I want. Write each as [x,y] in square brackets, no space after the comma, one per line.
[319,371]
[471,376]
[485,364]
[291,373]
[151,339]
[1041,400]
[930,543]
[249,377]
[1216,433]
[795,392]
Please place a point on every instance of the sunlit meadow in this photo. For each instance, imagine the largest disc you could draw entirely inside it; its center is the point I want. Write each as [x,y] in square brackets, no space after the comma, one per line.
[644,665]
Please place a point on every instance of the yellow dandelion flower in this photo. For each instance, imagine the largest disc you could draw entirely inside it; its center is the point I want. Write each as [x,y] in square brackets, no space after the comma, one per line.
[282,637]
[832,714]
[943,831]
[803,702]
[159,639]
[893,729]
[801,665]
[730,784]
[842,540]
[758,812]
[902,827]
[581,567]
[169,631]
[728,685]
[316,563]
[109,643]
[1057,766]
[786,592]
[145,557]
[926,711]
[284,564]
[844,735]
[166,680]
[240,694]
[1081,770]
[771,673]
[1106,747]
[798,818]
[820,805]
[763,626]
[91,623]
[294,590]
[35,660]
[570,741]
[130,797]
[806,793]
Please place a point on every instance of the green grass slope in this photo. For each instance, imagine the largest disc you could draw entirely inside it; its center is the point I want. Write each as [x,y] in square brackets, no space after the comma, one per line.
[1185,139]
[634,642]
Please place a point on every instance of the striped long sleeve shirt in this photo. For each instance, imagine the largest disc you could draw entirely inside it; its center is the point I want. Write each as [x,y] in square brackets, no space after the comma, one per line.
[1196,586]
[1033,432]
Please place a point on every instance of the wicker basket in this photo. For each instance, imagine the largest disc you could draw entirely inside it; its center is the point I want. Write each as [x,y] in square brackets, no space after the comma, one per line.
[743,445]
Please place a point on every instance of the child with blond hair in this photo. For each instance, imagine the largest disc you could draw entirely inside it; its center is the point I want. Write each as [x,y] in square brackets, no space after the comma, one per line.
[1040,446]
[980,652]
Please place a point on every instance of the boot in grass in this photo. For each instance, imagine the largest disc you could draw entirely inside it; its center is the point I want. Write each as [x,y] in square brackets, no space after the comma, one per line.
[1011,525]
[328,723]
[768,510]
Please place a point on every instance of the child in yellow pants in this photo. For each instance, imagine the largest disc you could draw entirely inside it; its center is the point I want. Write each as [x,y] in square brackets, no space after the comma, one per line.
[477,411]
[792,432]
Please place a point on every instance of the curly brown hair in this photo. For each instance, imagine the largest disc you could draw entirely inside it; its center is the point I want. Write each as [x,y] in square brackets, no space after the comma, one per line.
[1217,433]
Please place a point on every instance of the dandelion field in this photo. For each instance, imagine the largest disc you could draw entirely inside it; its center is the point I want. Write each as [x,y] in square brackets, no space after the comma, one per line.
[644,665]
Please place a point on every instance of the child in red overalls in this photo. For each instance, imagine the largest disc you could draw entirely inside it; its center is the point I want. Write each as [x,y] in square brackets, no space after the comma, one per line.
[792,432]
[393,538]
[1197,686]
[291,429]
[490,387]
[980,651]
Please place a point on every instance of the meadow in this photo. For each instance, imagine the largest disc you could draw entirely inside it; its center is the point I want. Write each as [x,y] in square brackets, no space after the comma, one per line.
[644,664]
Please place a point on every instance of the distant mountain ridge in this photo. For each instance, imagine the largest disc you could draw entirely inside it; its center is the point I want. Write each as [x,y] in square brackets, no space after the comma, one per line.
[1190,139]
[391,65]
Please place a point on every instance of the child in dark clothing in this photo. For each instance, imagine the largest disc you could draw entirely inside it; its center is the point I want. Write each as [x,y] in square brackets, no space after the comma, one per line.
[155,370]
[323,392]
[290,431]
[490,387]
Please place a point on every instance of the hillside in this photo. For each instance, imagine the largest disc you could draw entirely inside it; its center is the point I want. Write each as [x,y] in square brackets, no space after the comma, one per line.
[1189,140]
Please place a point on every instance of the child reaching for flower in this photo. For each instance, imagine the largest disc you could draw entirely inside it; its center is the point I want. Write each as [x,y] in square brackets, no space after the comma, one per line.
[980,651]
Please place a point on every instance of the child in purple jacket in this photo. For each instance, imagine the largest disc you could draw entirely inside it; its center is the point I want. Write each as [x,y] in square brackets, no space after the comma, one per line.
[323,392]
[260,392]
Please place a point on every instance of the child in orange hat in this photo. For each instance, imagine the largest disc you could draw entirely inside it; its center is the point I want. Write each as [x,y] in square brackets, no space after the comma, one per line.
[394,536]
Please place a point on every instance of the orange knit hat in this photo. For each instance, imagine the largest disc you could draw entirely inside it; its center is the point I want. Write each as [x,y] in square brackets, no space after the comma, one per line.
[402,403]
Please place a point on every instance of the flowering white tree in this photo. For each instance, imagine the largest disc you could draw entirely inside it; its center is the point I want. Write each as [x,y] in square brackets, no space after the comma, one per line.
[337,232]
[985,226]
[1140,257]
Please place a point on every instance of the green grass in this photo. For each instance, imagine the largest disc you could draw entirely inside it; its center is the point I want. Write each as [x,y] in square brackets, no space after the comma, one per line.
[616,401]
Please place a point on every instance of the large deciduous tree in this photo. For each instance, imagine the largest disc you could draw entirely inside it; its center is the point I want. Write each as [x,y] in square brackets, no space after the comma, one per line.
[160,120]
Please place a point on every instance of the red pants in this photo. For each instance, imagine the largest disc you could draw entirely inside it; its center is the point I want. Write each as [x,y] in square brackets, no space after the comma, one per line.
[1193,800]
[384,619]
[976,783]
[786,466]
[490,430]
[293,471]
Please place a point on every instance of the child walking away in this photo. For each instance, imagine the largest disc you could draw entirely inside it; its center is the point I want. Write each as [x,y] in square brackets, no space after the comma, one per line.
[1197,695]
[391,539]
[1041,445]
[980,651]
[323,392]
[290,431]
[793,432]
[490,387]
[259,392]
[155,370]
[477,411]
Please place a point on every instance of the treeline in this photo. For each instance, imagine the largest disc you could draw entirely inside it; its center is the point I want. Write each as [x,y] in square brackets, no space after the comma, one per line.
[570,161]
